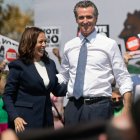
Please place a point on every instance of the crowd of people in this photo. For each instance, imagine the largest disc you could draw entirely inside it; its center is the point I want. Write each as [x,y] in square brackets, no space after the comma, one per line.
[93,77]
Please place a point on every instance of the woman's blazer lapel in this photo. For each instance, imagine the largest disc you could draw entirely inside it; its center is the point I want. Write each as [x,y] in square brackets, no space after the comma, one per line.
[35,73]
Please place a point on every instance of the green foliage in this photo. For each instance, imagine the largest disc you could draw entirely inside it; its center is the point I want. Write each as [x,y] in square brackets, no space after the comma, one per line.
[13,21]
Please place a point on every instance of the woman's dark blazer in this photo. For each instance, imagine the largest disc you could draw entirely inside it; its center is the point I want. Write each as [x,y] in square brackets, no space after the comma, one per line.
[26,95]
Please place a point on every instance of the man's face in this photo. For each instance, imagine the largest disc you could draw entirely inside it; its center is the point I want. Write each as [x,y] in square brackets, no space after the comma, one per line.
[86,20]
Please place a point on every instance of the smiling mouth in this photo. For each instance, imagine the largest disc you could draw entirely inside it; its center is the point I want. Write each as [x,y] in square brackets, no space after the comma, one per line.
[42,50]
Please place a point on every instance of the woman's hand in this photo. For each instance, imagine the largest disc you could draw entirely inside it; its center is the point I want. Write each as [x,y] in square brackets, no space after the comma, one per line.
[19,124]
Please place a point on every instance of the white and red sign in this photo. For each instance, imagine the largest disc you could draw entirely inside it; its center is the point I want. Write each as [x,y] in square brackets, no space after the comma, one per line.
[133,43]
[8,49]
[11,54]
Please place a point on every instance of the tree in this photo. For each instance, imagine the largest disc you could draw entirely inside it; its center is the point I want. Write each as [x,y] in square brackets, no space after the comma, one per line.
[1,16]
[13,21]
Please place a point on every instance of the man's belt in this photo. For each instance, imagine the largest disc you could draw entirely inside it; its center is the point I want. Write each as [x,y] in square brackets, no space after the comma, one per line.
[89,100]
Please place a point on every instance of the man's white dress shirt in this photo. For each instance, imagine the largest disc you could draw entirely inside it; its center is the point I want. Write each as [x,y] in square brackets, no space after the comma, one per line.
[104,65]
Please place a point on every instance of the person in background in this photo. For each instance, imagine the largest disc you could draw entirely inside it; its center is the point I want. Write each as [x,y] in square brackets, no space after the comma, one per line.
[57,108]
[104,64]
[9,134]
[136,116]
[58,111]
[134,76]
[132,68]
[31,79]
[117,101]
[121,128]
[3,113]
[57,54]
[3,75]
[127,57]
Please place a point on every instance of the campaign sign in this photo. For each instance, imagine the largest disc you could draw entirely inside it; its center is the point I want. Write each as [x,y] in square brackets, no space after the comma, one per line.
[53,35]
[8,49]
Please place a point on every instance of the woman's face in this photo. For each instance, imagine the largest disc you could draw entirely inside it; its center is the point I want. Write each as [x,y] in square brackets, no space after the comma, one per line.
[40,46]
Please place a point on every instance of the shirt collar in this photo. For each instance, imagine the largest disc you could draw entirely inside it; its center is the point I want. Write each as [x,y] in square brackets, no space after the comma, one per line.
[90,38]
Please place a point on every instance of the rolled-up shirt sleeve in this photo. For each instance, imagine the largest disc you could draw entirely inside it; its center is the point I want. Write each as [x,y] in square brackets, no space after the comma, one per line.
[122,76]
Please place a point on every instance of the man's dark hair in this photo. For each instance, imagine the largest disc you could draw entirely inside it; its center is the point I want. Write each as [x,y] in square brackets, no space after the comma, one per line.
[85,4]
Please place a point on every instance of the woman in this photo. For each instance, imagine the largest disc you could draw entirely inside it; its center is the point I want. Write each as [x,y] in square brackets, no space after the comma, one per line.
[31,79]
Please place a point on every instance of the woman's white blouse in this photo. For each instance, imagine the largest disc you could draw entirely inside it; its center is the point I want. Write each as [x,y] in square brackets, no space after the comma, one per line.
[42,72]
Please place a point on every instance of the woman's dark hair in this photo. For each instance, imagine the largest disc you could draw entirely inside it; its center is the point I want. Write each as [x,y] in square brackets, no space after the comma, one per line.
[85,4]
[27,45]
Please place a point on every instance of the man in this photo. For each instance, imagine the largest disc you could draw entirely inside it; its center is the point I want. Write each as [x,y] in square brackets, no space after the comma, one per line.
[117,101]
[104,64]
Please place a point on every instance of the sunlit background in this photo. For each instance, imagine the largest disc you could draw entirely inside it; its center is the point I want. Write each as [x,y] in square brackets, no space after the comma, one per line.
[15,15]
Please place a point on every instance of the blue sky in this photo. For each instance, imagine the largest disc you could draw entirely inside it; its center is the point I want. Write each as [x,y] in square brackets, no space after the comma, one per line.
[23,4]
